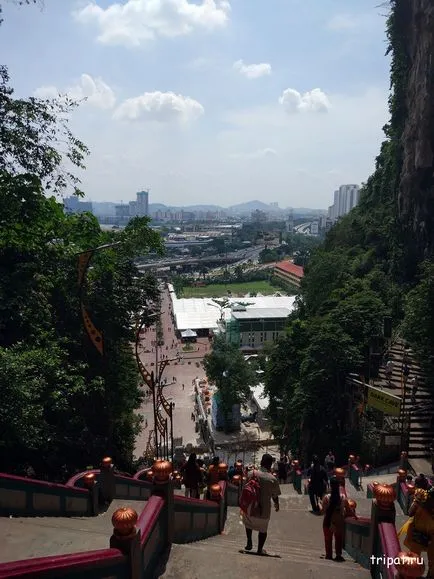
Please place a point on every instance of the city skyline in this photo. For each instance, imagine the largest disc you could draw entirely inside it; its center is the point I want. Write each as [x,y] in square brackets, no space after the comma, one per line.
[214,100]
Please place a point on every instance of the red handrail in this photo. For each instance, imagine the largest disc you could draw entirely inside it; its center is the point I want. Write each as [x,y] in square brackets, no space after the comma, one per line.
[37,482]
[148,517]
[35,568]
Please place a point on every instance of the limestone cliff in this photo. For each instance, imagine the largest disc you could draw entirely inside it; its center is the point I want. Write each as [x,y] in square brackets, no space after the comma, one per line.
[416,188]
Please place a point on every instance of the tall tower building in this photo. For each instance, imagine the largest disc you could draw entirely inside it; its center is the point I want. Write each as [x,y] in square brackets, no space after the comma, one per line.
[290,222]
[142,203]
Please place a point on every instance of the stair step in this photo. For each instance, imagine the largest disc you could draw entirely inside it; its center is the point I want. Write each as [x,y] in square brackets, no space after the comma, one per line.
[195,562]
[300,555]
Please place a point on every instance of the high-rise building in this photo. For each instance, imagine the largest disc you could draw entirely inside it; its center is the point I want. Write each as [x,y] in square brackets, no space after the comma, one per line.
[122,211]
[345,199]
[132,208]
[142,203]
[74,205]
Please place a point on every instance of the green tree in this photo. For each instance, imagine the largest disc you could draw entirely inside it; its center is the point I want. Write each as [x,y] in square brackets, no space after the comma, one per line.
[268,256]
[418,325]
[281,365]
[239,273]
[35,138]
[226,367]
[179,283]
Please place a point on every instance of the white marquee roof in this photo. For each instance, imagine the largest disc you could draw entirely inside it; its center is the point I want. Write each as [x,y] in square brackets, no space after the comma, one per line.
[203,313]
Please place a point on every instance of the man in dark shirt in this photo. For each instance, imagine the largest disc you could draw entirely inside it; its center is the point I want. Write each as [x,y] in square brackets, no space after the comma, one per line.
[318,481]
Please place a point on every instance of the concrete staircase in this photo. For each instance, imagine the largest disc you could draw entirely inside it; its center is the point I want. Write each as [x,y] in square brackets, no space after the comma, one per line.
[295,534]
[27,537]
[421,433]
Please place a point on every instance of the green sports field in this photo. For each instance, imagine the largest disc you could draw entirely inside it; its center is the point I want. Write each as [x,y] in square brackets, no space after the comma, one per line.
[218,290]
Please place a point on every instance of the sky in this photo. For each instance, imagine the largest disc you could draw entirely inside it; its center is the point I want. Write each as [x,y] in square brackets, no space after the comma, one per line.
[211,101]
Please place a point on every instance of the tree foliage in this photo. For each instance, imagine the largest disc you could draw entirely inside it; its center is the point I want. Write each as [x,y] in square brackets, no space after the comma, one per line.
[226,367]
[418,326]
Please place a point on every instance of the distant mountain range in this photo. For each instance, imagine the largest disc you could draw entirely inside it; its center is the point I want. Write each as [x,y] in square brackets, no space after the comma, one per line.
[241,209]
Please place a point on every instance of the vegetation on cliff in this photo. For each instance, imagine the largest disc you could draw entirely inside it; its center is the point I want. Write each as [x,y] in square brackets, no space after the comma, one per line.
[366,269]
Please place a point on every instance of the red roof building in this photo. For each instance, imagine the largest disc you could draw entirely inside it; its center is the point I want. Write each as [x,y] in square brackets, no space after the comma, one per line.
[289,273]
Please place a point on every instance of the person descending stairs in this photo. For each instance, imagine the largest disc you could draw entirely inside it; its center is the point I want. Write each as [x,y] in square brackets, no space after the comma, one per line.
[295,546]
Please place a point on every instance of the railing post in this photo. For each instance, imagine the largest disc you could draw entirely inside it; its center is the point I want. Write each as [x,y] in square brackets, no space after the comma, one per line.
[237,480]
[409,565]
[382,511]
[163,487]
[107,480]
[223,471]
[403,462]
[339,473]
[215,493]
[92,485]
[126,538]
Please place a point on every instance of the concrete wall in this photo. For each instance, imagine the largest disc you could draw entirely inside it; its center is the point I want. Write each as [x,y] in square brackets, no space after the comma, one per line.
[24,496]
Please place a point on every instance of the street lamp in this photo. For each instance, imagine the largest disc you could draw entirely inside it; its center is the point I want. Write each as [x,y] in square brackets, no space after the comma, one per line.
[163,427]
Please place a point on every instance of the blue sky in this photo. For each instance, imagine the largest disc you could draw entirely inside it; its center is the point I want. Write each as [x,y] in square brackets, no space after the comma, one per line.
[211,101]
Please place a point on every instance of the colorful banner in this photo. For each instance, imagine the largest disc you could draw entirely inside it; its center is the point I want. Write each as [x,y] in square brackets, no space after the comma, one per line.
[94,334]
[83,262]
[383,401]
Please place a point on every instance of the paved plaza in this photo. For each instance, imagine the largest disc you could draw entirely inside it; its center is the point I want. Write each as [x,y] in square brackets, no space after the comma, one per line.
[180,391]
[180,377]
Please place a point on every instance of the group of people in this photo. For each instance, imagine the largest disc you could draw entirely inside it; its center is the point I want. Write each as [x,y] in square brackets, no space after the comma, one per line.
[333,506]
[197,477]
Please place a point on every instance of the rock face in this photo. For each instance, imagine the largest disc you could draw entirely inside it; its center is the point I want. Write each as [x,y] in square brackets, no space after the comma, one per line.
[416,192]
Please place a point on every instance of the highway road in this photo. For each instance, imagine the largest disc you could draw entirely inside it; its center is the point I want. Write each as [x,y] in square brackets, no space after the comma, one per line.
[240,256]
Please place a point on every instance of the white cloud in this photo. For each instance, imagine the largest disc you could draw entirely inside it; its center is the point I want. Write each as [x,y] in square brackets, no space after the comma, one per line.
[161,107]
[96,92]
[253,71]
[314,101]
[341,22]
[137,21]
[259,154]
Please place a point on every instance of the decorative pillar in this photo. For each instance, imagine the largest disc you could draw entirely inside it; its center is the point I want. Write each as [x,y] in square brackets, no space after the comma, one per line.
[411,490]
[236,480]
[223,471]
[91,484]
[382,510]
[163,487]
[409,565]
[126,538]
[351,508]
[402,475]
[107,480]
[340,475]
[215,493]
